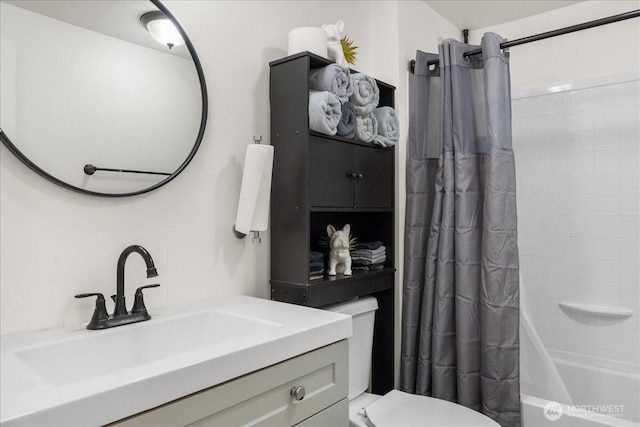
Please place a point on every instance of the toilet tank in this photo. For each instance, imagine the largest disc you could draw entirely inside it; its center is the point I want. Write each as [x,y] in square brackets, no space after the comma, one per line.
[363,311]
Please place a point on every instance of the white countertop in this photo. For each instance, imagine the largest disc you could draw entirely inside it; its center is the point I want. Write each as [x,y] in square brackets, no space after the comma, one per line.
[74,376]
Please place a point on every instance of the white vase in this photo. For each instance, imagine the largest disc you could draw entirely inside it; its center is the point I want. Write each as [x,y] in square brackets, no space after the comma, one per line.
[311,39]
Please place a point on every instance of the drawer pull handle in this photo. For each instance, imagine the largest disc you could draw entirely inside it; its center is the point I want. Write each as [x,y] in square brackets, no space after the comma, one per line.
[298,392]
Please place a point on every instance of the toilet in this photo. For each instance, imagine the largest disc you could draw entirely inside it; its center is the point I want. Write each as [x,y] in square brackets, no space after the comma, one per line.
[395,408]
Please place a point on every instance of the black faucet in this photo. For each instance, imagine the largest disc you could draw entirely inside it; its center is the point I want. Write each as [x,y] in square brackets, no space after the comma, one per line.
[121,308]
[100,318]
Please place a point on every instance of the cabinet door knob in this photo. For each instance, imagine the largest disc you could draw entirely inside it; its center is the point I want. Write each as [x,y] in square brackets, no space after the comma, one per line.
[298,392]
[352,175]
[360,176]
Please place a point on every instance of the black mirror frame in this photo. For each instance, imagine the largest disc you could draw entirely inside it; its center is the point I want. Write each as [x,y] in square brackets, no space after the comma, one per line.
[203,123]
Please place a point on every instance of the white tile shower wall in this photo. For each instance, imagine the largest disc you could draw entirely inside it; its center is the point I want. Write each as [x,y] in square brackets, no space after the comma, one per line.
[577,166]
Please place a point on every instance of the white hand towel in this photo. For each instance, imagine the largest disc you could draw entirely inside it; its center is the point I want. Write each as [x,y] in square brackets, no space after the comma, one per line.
[366,94]
[388,127]
[324,112]
[366,127]
[333,78]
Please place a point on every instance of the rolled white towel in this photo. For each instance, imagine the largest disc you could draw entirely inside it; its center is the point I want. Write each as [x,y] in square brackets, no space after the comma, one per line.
[388,127]
[366,127]
[333,78]
[366,94]
[324,112]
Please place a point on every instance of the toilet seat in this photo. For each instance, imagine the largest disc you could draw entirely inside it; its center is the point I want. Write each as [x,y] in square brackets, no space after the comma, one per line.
[356,409]
[398,408]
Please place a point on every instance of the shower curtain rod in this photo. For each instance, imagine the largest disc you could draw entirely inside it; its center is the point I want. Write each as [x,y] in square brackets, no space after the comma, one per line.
[548,34]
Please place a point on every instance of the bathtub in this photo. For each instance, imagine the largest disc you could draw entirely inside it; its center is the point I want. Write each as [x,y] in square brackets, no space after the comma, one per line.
[604,393]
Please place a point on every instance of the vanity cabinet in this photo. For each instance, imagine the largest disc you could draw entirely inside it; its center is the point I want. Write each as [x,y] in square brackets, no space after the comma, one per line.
[320,180]
[266,397]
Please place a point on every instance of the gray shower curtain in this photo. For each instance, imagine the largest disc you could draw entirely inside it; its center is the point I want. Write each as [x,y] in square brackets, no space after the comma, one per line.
[461,299]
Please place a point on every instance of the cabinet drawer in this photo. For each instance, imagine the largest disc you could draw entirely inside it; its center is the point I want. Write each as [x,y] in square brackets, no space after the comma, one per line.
[262,397]
[334,416]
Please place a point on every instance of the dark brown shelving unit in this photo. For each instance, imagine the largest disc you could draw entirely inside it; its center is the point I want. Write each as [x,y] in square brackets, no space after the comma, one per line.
[313,185]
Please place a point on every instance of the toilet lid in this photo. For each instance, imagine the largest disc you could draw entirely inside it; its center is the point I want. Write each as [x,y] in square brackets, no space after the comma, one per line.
[397,409]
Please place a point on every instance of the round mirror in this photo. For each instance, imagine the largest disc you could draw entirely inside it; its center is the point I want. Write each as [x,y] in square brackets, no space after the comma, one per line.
[91,101]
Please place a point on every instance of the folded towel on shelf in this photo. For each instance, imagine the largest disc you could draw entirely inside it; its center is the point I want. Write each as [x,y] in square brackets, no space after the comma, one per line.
[369,252]
[379,266]
[315,256]
[324,112]
[316,265]
[388,127]
[369,245]
[368,260]
[315,275]
[347,125]
[366,127]
[368,256]
[333,78]
[366,94]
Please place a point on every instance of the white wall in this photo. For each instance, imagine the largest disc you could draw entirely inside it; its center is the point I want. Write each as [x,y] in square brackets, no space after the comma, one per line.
[577,163]
[55,243]
[608,49]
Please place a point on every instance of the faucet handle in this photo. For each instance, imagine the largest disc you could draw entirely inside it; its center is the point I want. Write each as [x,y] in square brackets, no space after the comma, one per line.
[100,312]
[138,303]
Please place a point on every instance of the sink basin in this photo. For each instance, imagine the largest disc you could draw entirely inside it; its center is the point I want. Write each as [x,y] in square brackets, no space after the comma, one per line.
[124,348]
[73,376]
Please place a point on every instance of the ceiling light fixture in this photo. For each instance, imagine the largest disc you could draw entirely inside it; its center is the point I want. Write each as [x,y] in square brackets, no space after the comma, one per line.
[161,29]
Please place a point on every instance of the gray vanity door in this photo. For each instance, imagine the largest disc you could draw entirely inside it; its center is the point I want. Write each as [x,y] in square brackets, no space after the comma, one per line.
[265,397]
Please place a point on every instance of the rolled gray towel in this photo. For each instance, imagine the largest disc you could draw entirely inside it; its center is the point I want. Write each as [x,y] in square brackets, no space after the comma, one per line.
[366,127]
[366,94]
[347,125]
[324,112]
[333,78]
[388,127]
